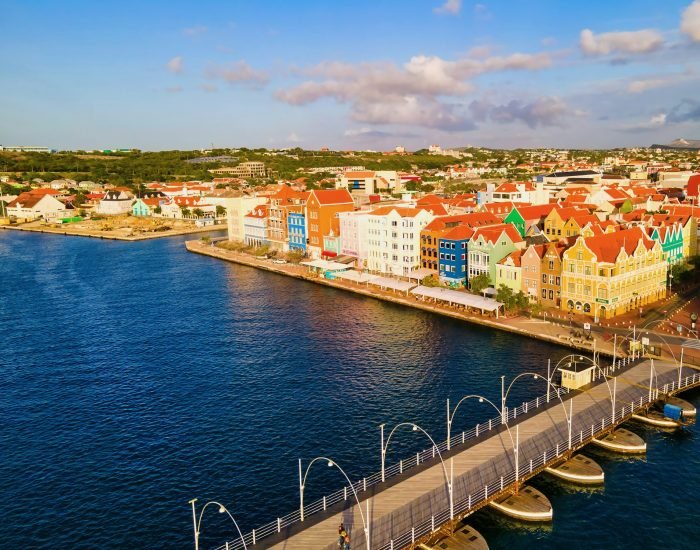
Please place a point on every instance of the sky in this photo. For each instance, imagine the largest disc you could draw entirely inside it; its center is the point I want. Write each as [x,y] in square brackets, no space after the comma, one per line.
[367,74]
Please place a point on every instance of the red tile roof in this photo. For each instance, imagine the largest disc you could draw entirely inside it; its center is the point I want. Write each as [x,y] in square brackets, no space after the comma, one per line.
[607,247]
[493,233]
[332,196]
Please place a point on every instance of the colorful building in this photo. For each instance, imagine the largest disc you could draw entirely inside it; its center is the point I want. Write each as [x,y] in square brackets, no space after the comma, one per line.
[524,218]
[322,209]
[296,231]
[613,273]
[452,250]
[488,246]
[509,272]
[671,239]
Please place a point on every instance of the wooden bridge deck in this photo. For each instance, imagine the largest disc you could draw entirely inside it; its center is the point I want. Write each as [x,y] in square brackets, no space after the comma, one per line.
[395,509]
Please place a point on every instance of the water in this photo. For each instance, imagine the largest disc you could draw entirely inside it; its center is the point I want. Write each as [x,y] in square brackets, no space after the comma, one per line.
[136,376]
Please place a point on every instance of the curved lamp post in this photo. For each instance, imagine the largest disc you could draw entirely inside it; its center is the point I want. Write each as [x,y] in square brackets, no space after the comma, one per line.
[504,398]
[415,427]
[331,463]
[514,442]
[451,414]
[197,522]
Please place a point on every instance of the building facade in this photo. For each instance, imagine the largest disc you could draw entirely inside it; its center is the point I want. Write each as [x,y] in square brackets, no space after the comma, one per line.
[612,274]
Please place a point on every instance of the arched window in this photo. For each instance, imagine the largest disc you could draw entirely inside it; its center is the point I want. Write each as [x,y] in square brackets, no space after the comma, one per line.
[586,308]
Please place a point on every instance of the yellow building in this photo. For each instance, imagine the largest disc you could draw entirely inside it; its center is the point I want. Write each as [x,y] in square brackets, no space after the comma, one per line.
[613,273]
[557,218]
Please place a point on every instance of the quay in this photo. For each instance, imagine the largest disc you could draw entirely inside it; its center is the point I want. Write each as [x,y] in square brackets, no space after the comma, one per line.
[531,328]
[421,499]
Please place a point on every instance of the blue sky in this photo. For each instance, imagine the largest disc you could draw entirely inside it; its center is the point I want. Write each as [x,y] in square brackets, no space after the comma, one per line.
[364,74]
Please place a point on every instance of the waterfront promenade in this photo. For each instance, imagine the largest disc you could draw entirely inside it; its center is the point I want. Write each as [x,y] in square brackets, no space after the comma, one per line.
[533,328]
[418,504]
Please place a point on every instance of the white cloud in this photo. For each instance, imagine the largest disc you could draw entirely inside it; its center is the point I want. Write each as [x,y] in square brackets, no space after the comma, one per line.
[544,111]
[639,86]
[628,42]
[293,138]
[450,7]
[175,65]
[195,31]
[690,21]
[654,123]
[238,72]
[421,76]
[482,12]
[414,111]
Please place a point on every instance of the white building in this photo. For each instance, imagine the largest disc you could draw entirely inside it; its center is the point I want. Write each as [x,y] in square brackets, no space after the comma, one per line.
[255,226]
[33,206]
[236,209]
[115,202]
[393,239]
[368,182]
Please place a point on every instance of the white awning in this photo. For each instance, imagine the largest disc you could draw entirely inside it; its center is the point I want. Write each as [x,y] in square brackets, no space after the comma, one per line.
[394,284]
[457,297]
[326,265]
[419,274]
[356,276]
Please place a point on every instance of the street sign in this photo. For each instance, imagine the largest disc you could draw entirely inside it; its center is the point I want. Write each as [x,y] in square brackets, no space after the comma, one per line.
[587,326]
[645,341]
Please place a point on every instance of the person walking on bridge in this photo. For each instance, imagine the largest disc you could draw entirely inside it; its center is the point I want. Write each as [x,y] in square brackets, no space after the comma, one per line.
[341,536]
[347,542]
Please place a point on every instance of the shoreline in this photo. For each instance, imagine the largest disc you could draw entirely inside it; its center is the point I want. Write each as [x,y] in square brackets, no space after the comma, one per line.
[511,324]
[101,235]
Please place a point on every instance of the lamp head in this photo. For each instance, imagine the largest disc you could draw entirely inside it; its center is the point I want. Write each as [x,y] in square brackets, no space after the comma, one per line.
[221,509]
[415,428]
[481,399]
[330,463]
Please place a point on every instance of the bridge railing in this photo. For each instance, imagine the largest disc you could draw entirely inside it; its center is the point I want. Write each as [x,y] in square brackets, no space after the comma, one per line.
[475,499]
[584,435]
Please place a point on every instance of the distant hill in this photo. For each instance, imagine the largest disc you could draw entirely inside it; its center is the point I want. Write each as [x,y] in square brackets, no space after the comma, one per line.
[680,143]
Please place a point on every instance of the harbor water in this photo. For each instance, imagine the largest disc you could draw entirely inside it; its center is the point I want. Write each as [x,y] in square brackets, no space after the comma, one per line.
[137,376]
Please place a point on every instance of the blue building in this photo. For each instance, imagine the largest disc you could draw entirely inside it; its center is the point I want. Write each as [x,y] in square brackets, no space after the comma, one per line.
[296,230]
[452,254]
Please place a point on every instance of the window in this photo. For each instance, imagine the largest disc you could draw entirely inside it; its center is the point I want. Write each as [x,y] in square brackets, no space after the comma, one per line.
[572,268]
[571,287]
[544,278]
[544,293]
[551,264]
[587,270]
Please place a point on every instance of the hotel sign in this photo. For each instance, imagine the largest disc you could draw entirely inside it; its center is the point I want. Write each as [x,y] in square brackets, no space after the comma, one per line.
[602,301]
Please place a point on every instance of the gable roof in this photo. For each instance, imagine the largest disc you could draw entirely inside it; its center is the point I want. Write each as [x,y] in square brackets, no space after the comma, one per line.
[492,233]
[332,196]
[607,247]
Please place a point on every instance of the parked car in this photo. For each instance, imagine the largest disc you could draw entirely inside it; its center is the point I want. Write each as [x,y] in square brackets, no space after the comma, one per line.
[279,261]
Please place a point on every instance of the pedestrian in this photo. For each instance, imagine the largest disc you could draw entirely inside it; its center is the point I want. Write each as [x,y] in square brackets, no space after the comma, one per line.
[347,542]
[341,536]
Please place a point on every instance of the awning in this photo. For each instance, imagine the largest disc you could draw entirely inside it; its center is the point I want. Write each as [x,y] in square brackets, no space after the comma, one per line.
[326,265]
[344,259]
[457,297]
[420,274]
[394,284]
[490,291]
[356,276]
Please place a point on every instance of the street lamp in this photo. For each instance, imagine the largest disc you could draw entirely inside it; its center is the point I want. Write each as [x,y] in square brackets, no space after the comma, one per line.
[415,427]
[197,522]
[331,463]
[451,414]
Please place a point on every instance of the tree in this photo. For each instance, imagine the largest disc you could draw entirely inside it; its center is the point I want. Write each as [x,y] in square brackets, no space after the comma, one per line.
[157,210]
[185,211]
[479,282]
[220,211]
[198,212]
[430,281]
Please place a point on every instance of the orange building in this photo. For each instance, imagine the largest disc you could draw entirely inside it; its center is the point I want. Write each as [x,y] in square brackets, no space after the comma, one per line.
[322,209]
